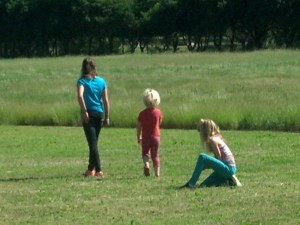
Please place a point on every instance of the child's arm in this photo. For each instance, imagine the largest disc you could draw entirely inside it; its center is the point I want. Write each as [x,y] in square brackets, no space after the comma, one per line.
[160,119]
[106,106]
[215,148]
[139,132]
[80,99]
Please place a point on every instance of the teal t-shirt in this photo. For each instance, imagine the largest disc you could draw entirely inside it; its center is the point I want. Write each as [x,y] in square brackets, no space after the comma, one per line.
[93,89]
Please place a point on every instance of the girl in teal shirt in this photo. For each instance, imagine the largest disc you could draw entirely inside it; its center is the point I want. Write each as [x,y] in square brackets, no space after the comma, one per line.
[93,101]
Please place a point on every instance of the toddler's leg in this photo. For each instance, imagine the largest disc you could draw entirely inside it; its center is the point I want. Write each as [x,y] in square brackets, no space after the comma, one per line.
[146,169]
[146,165]
[146,160]
[146,155]
[157,171]
[155,141]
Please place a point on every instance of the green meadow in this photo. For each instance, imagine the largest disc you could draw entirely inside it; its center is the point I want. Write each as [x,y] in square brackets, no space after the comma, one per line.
[41,181]
[241,91]
[253,96]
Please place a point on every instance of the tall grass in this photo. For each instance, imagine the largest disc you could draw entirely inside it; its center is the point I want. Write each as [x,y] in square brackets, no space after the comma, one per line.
[256,90]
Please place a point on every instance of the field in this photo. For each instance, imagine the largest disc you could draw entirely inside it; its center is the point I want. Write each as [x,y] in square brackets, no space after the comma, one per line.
[41,180]
[256,90]
[254,97]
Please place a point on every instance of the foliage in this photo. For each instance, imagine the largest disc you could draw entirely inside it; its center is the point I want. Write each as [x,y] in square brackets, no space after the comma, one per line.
[96,27]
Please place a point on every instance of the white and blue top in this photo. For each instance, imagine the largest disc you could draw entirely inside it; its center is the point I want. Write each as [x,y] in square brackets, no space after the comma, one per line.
[226,154]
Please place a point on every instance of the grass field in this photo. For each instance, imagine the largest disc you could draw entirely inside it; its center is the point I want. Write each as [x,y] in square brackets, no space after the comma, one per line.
[41,182]
[41,166]
[254,90]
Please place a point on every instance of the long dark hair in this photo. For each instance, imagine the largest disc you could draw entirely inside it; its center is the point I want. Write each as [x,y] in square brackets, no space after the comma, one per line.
[88,67]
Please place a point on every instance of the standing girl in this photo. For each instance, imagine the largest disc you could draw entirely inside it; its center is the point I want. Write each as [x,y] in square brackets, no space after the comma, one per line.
[148,131]
[223,162]
[93,101]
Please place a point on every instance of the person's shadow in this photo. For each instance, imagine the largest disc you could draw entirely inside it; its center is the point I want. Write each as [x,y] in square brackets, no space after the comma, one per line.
[28,178]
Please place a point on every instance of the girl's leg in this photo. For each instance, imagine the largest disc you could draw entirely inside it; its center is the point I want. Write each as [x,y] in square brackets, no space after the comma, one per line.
[146,155]
[214,180]
[155,141]
[91,137]
[207,161]
[145,150]
[98,127]
[92,131]
[157,171]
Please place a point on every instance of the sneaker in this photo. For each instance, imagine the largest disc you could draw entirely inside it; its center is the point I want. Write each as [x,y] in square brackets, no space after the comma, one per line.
[99,174]
[234,181]
[89,173]
[147,171]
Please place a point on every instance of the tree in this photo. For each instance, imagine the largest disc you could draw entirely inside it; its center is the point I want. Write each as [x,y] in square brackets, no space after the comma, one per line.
[46,27]
[251,21]
[287,24]
[163,22]
[142,10]
[191,14]
[14,36]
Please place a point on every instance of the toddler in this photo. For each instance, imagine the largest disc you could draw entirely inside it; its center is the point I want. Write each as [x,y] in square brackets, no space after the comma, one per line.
[148,131]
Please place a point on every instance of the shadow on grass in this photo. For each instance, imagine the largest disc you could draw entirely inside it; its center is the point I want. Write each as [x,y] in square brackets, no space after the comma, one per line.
[20,179]
[29,178]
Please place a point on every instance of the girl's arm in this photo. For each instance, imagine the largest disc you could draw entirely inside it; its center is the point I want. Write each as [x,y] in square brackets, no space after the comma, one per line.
[80,99]
[139,132]
[106,106]
[215,148]
[160,119]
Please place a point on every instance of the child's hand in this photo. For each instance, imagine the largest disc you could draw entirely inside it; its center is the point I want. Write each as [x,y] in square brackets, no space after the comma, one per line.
[139,141]
[106,122]
[85,117]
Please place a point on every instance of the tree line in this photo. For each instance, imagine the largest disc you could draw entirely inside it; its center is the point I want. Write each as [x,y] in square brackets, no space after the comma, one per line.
[31,28]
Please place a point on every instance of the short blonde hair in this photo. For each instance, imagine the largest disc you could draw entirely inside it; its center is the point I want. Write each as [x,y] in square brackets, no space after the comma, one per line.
[151,98]
[207,128]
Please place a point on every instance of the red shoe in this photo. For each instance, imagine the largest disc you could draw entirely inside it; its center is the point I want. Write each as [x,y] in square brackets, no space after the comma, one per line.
[147,171]
[99,174]
[89,173]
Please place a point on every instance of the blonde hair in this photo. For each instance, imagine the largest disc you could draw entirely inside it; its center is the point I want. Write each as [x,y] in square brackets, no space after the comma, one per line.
[151,98]
[207,128]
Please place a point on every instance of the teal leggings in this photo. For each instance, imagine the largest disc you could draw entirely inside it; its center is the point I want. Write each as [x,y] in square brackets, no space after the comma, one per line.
[220,175]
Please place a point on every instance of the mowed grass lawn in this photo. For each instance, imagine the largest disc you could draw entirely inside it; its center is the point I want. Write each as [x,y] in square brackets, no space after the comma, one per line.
[41,181]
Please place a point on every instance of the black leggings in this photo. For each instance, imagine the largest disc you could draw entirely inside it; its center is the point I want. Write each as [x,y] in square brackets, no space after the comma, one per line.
[92,130]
